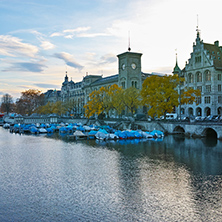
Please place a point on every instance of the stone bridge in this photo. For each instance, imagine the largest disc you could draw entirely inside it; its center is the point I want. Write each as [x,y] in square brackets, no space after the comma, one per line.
[195,129]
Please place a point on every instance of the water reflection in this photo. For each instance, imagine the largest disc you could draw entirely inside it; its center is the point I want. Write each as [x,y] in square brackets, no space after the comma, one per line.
[52,178]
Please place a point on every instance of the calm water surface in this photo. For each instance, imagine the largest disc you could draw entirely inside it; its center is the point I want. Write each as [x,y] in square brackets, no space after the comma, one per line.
[51,179]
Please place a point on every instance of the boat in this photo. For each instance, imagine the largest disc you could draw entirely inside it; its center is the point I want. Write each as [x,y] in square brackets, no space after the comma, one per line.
[78,135]
[42,130]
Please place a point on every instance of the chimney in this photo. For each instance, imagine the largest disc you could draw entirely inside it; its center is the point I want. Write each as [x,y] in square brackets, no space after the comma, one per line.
[216,43]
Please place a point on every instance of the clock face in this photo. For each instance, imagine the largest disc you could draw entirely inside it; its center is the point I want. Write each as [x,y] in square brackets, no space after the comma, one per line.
[123,66]
[133,65]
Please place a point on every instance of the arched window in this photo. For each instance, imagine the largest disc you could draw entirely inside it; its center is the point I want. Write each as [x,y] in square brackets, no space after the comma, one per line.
[190,78]
[207,75]
[199,77]
[198,111]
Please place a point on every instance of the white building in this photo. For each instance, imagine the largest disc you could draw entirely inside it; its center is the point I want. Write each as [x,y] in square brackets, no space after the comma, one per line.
[203,71]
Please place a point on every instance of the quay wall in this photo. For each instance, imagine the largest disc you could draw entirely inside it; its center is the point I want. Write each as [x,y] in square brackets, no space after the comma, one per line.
[193,129]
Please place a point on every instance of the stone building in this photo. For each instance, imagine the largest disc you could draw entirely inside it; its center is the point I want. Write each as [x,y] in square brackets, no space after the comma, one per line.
[130,74]
[203,71]
[52,96]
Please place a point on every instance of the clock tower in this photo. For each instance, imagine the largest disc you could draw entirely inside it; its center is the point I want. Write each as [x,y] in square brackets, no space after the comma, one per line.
[130,70]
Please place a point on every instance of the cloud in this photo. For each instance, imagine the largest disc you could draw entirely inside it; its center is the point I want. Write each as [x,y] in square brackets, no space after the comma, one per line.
[80,32]
[70,33]
[1,93]
[26,67]
[45,85]
[46,45]
[92,35]
[79,29]
[69,60]
[55,34]
[13,46]
[108,58]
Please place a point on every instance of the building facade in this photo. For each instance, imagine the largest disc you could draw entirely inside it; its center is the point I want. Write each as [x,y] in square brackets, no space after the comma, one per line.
[77,93]
[203,71]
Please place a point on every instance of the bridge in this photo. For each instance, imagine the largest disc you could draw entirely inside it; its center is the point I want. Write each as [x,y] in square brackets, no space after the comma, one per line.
[192,129]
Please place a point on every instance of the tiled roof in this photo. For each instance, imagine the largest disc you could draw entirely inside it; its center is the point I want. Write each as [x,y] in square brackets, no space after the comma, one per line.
[215,53]
[106,80]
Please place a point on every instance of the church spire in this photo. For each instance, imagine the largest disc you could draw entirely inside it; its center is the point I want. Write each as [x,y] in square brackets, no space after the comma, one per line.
[176,69]
[66,77]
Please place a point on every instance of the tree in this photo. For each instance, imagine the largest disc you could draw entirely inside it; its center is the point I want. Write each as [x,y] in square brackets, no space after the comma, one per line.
[29,101]
[131,99]
[159,94]
[189,96]
[7,103]
[116,98]
[98,102]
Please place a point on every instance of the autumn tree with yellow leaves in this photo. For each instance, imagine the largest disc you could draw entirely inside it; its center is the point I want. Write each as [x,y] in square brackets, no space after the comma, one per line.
[116,94]
[160,94]
[112,98]
[131,99]
[98,102]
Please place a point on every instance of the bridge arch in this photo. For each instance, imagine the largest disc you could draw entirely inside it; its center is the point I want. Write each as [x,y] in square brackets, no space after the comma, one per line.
[178,129]
[209,132]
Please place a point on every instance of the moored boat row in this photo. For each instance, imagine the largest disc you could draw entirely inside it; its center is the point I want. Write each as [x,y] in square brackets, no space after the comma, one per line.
[78,131]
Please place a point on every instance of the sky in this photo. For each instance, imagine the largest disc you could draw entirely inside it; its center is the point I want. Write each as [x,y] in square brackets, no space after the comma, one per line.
[42,39]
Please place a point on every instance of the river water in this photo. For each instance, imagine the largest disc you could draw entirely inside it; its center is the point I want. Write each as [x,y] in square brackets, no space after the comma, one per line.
[51,179]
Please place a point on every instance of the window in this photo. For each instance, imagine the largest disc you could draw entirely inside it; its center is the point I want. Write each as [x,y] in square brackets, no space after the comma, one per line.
[134,84]
[219,77]
[199,77]
[207,99]
[190,78]
[198,100]
[208,88]
[197,59]
[219,99]
[207,75]
[199,88]
[219,88]
[123,85]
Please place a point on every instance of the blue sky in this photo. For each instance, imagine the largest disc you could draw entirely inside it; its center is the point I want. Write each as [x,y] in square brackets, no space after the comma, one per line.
[41,40]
